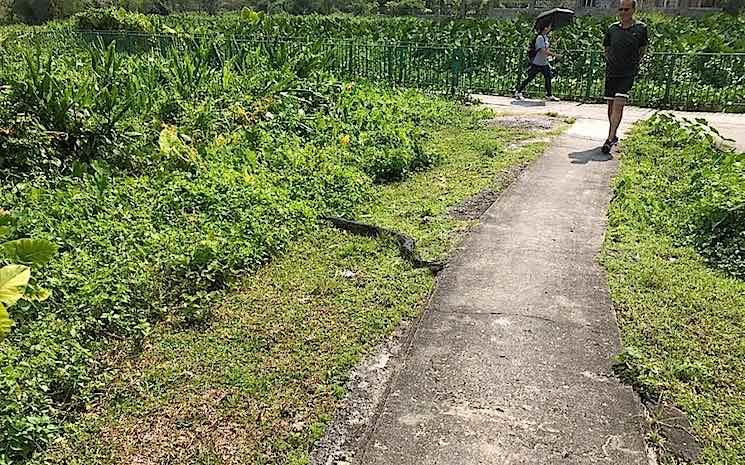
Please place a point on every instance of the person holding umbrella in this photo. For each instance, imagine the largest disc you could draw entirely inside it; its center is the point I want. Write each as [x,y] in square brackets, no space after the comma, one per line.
[539,63]
[541,51]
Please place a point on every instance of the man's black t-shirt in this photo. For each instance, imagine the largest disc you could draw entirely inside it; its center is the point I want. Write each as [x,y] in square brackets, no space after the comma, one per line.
[624,49]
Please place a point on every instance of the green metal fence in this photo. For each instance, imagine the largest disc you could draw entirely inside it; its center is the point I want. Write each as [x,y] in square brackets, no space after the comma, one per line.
[714,82]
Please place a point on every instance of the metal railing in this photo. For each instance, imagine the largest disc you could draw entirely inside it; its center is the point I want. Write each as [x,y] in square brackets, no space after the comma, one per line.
[703,81]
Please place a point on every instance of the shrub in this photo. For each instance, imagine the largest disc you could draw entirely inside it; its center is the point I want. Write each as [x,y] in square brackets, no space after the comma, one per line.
[163,185]
[112,20]
[32,11]
[695,188]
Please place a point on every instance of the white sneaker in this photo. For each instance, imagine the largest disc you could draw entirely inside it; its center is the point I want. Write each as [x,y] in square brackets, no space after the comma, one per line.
[519,96]
[553,98]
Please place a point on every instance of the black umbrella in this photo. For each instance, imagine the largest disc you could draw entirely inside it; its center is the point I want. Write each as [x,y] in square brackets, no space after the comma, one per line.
[557,17]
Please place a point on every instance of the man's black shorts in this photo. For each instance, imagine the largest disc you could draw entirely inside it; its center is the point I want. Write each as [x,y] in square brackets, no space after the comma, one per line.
[618,87]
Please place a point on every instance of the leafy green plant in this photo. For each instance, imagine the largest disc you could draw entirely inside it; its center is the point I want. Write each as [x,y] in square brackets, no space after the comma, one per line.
[48,93]
[174,147]
[112,96]
[190,68]
[17,257]
[706,207]
[112,20]
[166,175]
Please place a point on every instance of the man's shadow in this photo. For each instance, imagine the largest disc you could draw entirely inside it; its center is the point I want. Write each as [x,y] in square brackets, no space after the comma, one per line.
[586,156]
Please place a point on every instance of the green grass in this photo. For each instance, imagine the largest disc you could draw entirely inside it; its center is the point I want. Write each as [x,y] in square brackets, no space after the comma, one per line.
[259,384]
[199,183]
[424,214]
[682,321]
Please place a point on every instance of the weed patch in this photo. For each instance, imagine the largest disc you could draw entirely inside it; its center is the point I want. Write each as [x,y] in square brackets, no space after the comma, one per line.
[261,382]
[164,178]
[678,294]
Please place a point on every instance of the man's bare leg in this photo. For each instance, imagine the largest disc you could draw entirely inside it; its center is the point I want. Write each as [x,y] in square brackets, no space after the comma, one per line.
[615,116]
[610,109]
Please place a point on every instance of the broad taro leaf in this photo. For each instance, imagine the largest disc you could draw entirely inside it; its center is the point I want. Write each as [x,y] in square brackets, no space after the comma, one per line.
[13,281]
[28,251]
[5,322]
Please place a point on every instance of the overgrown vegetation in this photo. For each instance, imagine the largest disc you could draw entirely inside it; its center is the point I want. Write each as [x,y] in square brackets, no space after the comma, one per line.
[713,33]
[675,252]
[163,176]
[693,190]
[16,258]
[471,55]
[260,383]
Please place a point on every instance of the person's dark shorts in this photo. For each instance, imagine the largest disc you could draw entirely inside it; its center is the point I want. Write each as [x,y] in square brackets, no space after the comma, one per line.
[618,87]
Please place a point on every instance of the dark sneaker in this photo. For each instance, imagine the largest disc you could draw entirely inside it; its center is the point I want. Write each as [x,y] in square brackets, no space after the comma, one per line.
[609,144]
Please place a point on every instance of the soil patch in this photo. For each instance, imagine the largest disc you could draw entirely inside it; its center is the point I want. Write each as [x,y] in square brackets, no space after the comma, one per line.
[473,207]
[524,122]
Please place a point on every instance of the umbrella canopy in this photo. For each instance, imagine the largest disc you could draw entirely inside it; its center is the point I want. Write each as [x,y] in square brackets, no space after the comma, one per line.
[557,17]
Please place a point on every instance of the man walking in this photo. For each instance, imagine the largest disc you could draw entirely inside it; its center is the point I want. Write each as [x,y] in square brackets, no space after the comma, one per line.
[539,64]
[625,44]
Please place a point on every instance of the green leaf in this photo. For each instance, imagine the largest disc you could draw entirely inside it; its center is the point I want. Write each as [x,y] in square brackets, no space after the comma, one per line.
[29,251]
[5,322]
[36,294]
[6,221]
[13,281]
[250,16]
[5,218]
[168,139]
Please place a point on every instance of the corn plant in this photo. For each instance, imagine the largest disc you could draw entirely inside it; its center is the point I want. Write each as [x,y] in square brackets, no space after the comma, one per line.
[112,95]
[189,69]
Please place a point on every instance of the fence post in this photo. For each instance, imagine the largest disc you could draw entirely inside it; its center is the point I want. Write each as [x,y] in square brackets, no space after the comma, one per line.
[590,75]
[671,70]
[350,59]
[456,67]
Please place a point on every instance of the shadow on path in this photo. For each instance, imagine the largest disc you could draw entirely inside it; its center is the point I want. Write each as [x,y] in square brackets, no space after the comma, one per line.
[528,103]
[586,156]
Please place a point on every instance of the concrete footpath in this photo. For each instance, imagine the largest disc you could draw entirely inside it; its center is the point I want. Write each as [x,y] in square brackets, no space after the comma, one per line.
[730,125]
[511,363]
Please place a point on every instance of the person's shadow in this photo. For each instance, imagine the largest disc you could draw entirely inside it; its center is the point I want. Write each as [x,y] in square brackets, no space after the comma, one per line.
[586,156]
[528,103]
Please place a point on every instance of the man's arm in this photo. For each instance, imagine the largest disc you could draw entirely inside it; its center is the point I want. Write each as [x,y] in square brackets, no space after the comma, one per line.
[606,44]
[644,44]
